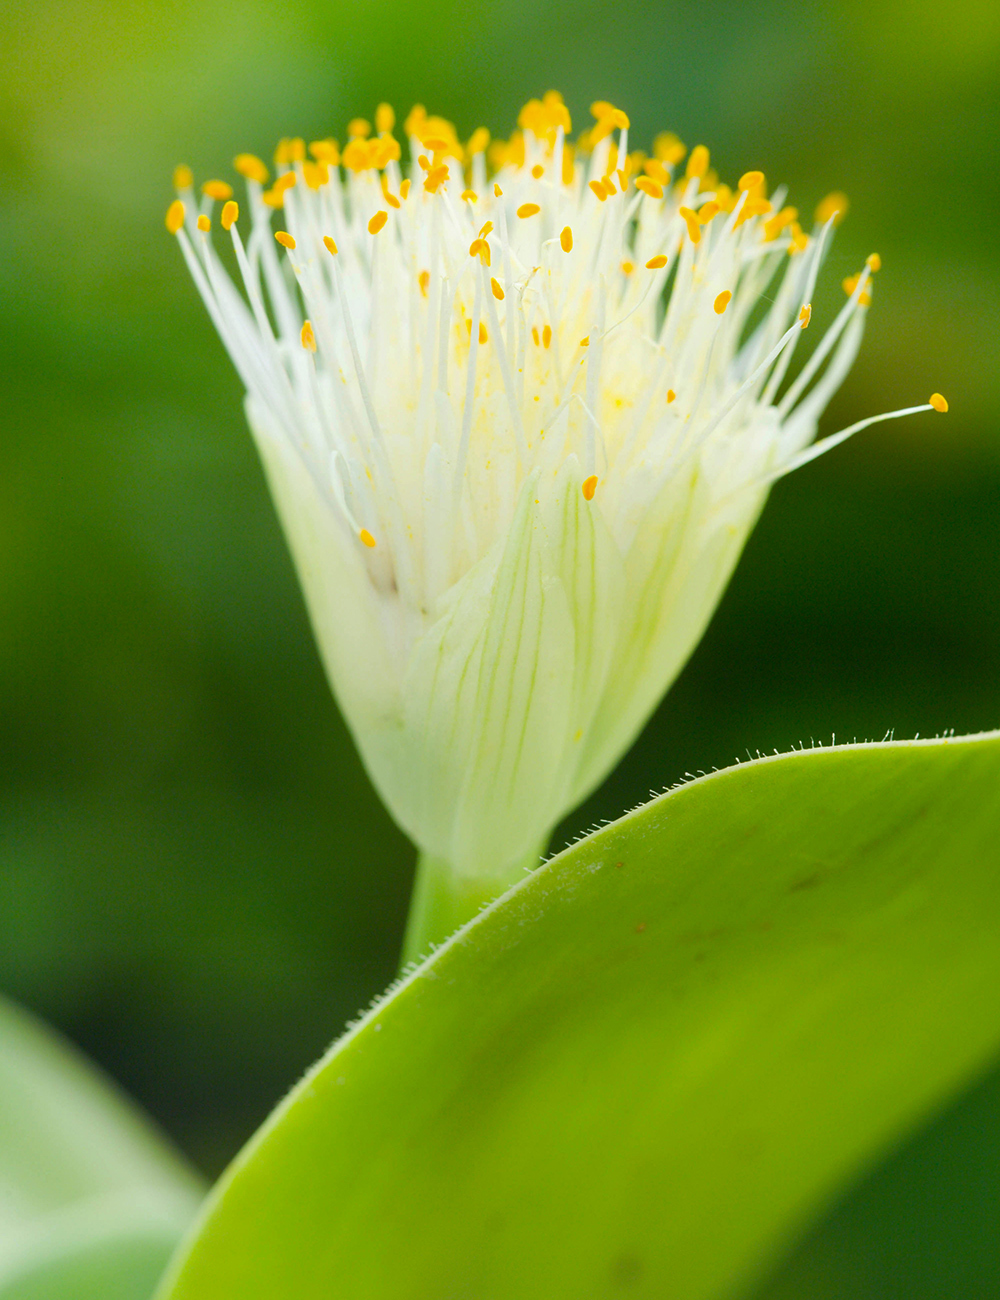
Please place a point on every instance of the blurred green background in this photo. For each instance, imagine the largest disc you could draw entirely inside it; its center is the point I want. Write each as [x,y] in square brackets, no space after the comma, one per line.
[196,881]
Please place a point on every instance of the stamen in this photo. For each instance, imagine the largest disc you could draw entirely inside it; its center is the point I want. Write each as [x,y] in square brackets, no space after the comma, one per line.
[657,263]
[367,539]
[566,239]
[204,223]
[284,239]
[497,290]
[183,177]
[230,214]
[835,205]
[175,216]
[308,337]
[528,210]
[589,487]
[649,187]
[722,302]
[377,221]
[330,245]
[217,190]
[938,402]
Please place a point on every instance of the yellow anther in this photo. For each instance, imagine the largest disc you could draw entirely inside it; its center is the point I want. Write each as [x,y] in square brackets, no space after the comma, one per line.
[497,289]
[251,167]
[483,336]
[938,402]
[668,149]
[481,249]
[698,162]
[850,284]
[834,205]
[538,171]
[589,487]
[691,220]
[286,181]
[547,336]
[175,216]
[204,224]
[284,239]
[273,198]
[750,180]
[598,188]
[566,239]
[326,151]
[415,119]
[707,211]
[536,338]
[424,279]
[628,268]
[385,118]
[585,341]
[485,229]
[657,263]
[404,188]
[800,240]
[622,179]
[391,199]
[671,396]
[436,176]
[377,221]
[470,196]
[315,174]
[478,141]
[649,187]
[656,172]
[722,301]
[358,129]
[217,190]
[183,177]
[308,337]
[754,208]
[497,191]
[528,210]
[779,221]
[367,539]
[330,245]
[805,314]
[873,262]
[230,214]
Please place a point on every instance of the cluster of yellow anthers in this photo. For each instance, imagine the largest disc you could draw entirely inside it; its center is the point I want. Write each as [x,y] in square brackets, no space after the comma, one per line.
[437,351]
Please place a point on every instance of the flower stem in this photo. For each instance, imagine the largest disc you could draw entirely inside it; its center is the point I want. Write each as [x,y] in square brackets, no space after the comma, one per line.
[443,900]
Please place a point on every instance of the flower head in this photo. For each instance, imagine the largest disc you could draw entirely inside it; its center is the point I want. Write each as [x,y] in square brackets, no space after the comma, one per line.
[519,405]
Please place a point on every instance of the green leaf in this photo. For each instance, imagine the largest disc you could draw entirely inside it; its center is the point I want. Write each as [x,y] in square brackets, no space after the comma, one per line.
[92,1201]
[644,1068]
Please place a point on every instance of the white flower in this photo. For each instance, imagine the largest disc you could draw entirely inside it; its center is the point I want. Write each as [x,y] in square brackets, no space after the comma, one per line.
[518,427]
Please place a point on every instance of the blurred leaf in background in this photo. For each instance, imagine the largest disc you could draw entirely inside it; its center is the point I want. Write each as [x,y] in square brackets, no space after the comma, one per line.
[196,881]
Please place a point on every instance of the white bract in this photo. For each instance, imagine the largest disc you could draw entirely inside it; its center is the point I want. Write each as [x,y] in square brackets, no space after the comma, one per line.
[518,427]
